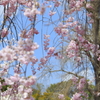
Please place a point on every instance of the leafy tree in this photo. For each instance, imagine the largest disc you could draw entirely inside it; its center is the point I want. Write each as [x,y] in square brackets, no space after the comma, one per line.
[45,96]
[62,86]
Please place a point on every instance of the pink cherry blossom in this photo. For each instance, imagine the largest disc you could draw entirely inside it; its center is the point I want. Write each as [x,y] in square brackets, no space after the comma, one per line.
[74,79]
[51,50]
[46,42]
[4,32]
[61,96]
[42,10]
[57,4]
[43,61]
[88,5]
[76,96]
[4,2]
[15,78]
[51,13]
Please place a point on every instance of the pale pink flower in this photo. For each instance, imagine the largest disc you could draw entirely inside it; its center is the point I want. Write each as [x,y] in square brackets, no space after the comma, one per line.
[82,83]
[30,81]
[88,5]
[21,2]
[4,2]
[57,4]
[43,61]
[42,10]
[77,96]
[58,30]
[4,32]
[74,79]
[64,32]
[51,50]
[98,58]
[70,19]
[89,14]
[91,21]
[46,36]
[51,13]
[15,78]
[46,42]
[61,96]
[72,45]
[25,95]
[29,4]
[78,59]
[98,94]
[27,12]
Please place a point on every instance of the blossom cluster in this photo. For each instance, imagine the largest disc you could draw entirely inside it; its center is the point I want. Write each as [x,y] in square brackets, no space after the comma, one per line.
[13,4]
[46,42]
[61,97]
[80,85]
[23,52]
[4,32]
[24,34]
[18,88]
[44,60]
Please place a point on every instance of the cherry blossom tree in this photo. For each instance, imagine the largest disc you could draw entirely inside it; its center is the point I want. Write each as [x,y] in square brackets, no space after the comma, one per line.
[69,32]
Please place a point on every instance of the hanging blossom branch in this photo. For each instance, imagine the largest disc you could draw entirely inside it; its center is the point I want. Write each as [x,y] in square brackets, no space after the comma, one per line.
[17,87]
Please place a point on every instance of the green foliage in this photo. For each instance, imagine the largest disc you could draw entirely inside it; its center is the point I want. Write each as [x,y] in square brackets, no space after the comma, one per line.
[64,87]
[48,96]
[89,91]
[67,98]
[45,96]
[2,80]
[53,91]
[4,87]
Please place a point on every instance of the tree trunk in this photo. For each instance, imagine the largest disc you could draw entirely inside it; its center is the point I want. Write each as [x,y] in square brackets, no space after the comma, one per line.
[96,63]
[97,83]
